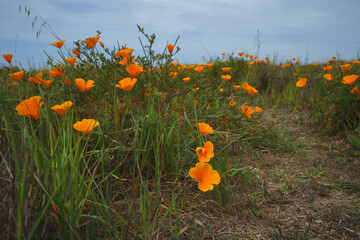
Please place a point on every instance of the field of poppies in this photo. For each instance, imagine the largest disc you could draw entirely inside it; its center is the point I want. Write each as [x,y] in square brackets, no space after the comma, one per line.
[101,143]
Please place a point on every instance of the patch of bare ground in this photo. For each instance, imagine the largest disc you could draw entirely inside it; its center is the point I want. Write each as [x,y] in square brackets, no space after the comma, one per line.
[312,192]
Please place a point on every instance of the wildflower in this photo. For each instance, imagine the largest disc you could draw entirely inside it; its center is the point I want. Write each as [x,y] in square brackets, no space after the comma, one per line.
[71,61]
[333,57]
[237,87]
[251,63]
[314,64]
[258,60]
[294,74]
[221,90]
[66,81]
[245,86]
[293,59]
[328,77]
[357,62]
[297,62]
[30,107]
[195,90]
[288,65]
[86,125]
[126,84]
[8,57]
[246,55]
[226,69]
[301,82]
[196,101]
[61,109]
[355,91]
[84,87]
[240,54]
[173,64]
[247,111]
[205,176]
[282,66]
[187,79]
[37,79]
[226,118]
[173,75]
[76,52]
[328,68]
[55,72]
[346,67]
[58,44]
[204,128]
[181,68]
[124,52]
[205,153]
[101,44]
[191,67]
[47,82]
[17,76]
[199,69]
[170,48]
[226,77]
[209,65]
[90,42]
[252,90]
[232,104]
[350,79]
[134,70]
[258,109]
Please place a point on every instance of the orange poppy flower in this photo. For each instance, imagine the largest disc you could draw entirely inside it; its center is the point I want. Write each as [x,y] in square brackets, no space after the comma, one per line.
[30,107]
[357,62]
[37,79]
[232,104]
[209,65]
[71,61]
[205,176]
[58,44]
[90,42]
[251,63]
[181,68]
[246,55]
[47,82]
[205,153]
[66,81]
[101,44]
[124,52]
[240,54]
[247,111]
[226,69]
[195,90]
[282,66]
[314,64]
[245,86]
[333,57]
[126,84]
[61,109]
[350,79]
[297,62]
[258,61]
[8,57]
[221,90]
[293,59]
[173,64]
[187,79]
[76,52]
[170,48]
[258,109]
[346,67]
[267,58]
[226,118]
[199,69]
[84,87]
[301,82]
[134,70]
[226,77]
[196,101]
[252,90]
[328,77]
[328,68]
[355,91]
[237,87]
[204,128]
[17,76]
[86,125]
[55,72]
[191,67]
[173,75]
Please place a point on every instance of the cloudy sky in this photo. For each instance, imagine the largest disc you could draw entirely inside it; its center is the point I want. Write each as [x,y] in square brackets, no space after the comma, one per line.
[312,30]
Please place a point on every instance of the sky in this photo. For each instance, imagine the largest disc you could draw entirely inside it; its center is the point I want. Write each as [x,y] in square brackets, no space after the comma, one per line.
[310,30]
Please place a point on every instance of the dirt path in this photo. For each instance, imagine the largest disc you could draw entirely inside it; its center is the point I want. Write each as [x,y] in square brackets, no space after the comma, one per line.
[310,192]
